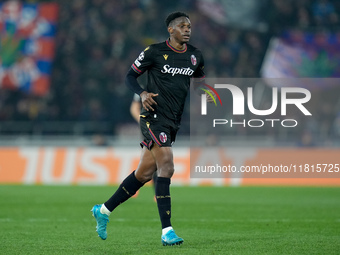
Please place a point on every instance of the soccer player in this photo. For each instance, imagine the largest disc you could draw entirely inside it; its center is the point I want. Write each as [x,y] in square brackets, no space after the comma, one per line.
[170,65]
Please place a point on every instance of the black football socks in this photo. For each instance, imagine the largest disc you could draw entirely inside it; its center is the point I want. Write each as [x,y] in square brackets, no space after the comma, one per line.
[163,200]
[127,189]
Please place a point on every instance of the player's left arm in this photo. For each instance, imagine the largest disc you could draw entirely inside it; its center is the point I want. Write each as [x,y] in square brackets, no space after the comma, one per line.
[199,79]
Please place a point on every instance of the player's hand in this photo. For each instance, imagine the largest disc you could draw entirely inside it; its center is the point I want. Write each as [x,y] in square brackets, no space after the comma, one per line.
[147,100]
[209,98]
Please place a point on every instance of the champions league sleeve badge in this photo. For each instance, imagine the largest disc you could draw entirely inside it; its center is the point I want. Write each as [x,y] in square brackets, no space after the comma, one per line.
[141,56]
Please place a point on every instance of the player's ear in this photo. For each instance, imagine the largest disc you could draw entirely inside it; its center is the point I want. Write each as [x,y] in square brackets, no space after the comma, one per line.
[170,30]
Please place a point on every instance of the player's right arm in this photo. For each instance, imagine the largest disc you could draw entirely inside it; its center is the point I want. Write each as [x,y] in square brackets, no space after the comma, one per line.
[135,107]
[141,64]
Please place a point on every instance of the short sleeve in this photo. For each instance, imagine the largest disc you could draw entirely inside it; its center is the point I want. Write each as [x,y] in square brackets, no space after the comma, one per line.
[144,61]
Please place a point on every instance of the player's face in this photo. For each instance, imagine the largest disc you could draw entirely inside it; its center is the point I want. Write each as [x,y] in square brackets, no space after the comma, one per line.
[181,30]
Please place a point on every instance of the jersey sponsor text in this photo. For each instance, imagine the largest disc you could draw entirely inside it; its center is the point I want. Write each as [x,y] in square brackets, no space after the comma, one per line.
[175,70]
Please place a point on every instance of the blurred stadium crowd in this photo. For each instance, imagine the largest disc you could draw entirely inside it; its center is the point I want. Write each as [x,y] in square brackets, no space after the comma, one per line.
[97,41]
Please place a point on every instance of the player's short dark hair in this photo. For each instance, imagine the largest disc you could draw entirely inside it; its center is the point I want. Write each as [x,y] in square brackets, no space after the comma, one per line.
[173,16]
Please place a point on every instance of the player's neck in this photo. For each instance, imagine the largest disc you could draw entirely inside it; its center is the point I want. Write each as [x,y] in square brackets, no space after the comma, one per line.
[176,45]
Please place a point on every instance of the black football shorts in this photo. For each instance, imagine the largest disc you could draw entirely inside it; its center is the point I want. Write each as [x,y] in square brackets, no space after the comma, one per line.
[157,130]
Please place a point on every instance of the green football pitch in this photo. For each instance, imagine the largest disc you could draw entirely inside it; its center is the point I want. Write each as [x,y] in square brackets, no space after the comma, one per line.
[212,220]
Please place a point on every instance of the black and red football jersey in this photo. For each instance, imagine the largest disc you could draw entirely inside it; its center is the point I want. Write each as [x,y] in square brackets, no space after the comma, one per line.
[169,72]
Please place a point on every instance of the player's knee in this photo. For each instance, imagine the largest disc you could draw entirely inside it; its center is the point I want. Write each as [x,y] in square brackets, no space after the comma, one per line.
[143,177]
[166,170]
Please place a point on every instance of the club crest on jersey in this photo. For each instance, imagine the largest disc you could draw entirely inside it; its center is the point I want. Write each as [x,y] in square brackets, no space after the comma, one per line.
[193,60]
[163,137]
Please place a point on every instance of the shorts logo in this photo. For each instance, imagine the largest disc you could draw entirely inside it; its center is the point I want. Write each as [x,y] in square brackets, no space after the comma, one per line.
[163,137]
[193,60]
